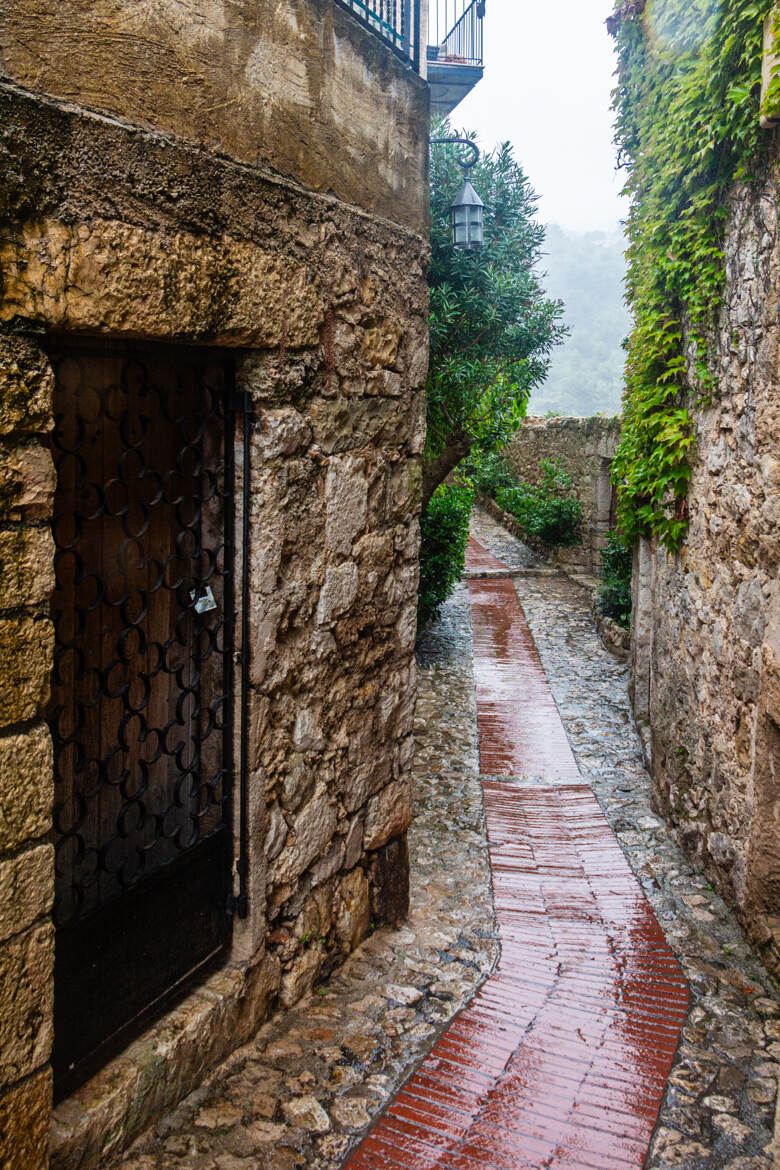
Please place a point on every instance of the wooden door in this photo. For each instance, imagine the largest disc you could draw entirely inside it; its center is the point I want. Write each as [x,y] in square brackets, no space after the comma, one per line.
[140,709]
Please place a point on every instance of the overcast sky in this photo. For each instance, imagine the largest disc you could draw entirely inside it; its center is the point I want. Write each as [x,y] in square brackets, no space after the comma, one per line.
[548,76]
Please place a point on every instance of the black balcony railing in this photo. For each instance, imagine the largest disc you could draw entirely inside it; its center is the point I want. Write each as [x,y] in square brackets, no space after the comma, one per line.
[455,32]
[396,21]
[455,28]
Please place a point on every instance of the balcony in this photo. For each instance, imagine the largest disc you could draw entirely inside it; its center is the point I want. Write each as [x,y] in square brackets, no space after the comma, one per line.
[454,61]
[396,21]
[455,57]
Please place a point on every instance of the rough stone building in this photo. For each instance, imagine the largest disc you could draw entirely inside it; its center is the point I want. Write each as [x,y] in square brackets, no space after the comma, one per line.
[706,627]
[585,448]
[213,344]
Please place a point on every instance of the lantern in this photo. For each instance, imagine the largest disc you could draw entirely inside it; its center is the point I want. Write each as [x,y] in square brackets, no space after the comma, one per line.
[467,213]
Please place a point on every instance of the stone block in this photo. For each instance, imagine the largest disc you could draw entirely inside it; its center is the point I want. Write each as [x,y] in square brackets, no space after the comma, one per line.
[388,814]
[375,551]
[26,889]
[364,779]
[380,344]
[163,288]
[312,830]
[354,843]
[27,482]
[346,496]
[306,1113]
[418,362]
[25,1118]
[26,786]
[280,433]
[26,656]
[26,387]
[262,984]
[307,733]
[329,865]
[298,783]
[26,1002]
[338,592]
[276,835]
[300,979]
[26,567]
[353,916]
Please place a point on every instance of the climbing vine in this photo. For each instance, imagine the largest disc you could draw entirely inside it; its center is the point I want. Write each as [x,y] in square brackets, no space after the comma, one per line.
[687,103]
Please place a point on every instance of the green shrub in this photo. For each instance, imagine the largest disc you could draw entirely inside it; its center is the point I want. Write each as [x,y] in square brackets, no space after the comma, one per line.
[614,599]
[445,534]
[548,511]
[489,471]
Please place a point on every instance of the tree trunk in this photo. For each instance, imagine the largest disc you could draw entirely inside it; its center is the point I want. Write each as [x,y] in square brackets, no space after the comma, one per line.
[456,448]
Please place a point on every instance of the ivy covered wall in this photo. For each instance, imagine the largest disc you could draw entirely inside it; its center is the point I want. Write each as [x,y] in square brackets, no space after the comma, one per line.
[699,460]
[688,129]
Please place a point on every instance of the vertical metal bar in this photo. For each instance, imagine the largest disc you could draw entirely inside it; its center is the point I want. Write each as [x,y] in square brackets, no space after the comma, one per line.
[229,619]
[416,57]
[242,865]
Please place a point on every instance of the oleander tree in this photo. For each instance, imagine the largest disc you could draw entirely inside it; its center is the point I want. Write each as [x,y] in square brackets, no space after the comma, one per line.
[492,326]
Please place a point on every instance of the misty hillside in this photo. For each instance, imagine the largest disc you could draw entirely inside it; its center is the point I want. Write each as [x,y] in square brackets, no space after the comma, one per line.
[585,271]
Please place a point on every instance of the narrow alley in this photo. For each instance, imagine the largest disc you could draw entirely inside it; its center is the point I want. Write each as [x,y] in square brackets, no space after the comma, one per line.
[600,1012]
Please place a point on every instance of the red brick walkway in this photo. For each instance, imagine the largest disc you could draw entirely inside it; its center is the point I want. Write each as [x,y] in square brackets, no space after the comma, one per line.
[561,1059]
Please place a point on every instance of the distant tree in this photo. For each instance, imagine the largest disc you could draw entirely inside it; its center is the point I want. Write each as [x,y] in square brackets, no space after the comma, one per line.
[492,326]
[586,270]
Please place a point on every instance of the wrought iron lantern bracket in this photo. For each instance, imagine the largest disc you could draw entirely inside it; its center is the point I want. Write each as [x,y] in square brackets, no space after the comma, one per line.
[467,211]
[470,160]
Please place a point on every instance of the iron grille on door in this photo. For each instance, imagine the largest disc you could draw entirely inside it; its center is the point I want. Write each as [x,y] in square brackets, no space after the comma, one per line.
[141,708]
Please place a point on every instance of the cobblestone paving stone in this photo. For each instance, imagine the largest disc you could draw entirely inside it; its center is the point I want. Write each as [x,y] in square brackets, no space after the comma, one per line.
[721,1106]
[306,1088]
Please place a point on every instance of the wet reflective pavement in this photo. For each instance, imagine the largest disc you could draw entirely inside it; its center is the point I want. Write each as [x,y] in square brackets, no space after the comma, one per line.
[562,1058]
[480,560]
[520,730]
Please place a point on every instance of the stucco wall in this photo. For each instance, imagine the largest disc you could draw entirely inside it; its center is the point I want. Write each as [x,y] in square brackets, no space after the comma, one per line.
[298,86]
[585,447]
[191,232]
[706,636]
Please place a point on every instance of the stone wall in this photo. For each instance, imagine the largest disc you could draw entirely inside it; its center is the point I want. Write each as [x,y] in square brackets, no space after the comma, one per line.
[297,86]
[585,447]
[706,634]
[130,210]
[26,859]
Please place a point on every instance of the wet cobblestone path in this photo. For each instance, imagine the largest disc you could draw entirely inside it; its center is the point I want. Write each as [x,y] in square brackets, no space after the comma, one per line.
[312,1083]
[562,1058]
[721,1108]
[314,1077]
